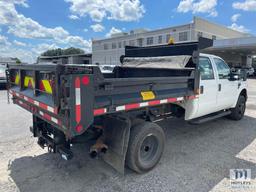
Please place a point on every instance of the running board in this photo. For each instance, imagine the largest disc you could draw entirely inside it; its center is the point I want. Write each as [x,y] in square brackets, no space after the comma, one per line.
[210,117]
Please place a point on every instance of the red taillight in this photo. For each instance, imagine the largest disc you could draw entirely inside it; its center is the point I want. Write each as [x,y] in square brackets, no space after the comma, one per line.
[85,80]
[79,128]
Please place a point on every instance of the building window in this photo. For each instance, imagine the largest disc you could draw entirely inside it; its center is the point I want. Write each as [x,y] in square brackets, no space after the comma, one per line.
[105,46]
[132,43]
[119,44]
[160,39]
[113,45]
[140,42]
[183,36]
[168,36]
[200,34]
[150,40]
[214,37]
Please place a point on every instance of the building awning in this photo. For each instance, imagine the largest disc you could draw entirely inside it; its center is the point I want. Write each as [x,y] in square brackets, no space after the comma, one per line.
[241,46]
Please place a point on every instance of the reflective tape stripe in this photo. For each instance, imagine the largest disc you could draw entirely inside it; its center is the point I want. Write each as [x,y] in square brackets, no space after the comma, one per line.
[99,111]
[78,99]
[132,106]
[172,100]
[120,108]
[49,118]
[78,96]
[29,82]
[144,104]
[149,103]
[50,109]
[36,103]
[17,79]
[156,102]
[54,120]
[163,101]
[47,86]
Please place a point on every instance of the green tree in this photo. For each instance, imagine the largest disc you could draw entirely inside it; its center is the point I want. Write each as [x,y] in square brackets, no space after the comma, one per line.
[59,52]
[17,60]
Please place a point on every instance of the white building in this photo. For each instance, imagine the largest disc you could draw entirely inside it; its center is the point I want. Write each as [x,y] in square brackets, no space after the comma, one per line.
[108,51]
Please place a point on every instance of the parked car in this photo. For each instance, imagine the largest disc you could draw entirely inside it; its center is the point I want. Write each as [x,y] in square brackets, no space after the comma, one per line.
[250,72]
[2,75]
[107,68]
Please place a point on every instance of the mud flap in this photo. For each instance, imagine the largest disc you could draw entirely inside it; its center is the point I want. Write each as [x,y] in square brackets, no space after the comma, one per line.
[116,137]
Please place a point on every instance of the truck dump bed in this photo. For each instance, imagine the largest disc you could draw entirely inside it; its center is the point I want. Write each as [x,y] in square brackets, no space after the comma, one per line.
[70,97]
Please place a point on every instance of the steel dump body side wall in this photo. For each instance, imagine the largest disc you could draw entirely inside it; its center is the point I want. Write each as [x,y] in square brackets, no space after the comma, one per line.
[123,91]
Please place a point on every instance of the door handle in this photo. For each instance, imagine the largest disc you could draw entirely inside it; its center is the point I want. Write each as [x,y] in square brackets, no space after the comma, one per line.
[219,87]
[201,89]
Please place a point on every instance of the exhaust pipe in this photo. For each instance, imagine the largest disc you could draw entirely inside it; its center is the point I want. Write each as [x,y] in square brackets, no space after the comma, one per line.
[93,154]
[97,148]
[104,149]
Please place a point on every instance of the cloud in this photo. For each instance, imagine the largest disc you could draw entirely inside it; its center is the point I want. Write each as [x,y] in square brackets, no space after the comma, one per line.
[235,17]
[4,41]
[18,43]
[121,10]
[24,27]
[7,49]
[40,48]
[239,28]
[112,31]
[19,2]
[97,27]
[247,5]
[73,17]
[198,6]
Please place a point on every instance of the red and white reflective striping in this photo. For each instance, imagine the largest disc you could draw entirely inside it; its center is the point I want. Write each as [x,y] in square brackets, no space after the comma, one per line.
[37,103]
[78,99]
[49,118]
[147,104]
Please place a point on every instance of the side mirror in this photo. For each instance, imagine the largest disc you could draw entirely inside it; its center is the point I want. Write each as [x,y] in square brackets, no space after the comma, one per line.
[234,77]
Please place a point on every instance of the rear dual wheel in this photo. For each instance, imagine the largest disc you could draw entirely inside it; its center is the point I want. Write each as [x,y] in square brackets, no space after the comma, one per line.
[146,146]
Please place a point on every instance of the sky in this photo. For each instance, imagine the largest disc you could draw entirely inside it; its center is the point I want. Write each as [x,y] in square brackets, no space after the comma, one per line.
[30,27]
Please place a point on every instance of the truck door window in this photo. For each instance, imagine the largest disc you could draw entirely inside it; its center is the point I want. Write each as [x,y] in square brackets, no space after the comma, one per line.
[223,68]
[205,68]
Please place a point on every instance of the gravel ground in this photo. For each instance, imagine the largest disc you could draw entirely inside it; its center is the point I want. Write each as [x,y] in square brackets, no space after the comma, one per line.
[196,158]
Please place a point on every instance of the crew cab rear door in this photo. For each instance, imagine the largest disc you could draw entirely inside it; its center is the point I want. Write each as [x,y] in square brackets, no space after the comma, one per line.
[227,90]
[208,88]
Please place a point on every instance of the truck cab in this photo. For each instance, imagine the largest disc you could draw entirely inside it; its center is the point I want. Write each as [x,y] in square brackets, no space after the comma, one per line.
[219,91]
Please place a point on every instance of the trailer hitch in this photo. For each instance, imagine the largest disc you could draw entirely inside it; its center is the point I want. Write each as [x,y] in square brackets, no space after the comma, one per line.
[54,145]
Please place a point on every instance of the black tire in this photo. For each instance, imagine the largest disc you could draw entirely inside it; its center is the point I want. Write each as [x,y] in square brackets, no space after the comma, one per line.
[146,146]
[237,113]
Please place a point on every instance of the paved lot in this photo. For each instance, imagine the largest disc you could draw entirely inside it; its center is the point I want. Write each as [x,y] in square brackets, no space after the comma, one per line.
[196,158]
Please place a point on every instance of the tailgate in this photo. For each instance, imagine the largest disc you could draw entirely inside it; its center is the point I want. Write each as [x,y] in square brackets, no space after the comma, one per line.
[59,95]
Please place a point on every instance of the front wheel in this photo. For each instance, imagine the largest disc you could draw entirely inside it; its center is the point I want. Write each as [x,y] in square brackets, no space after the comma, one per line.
[237,113]
[146,146]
